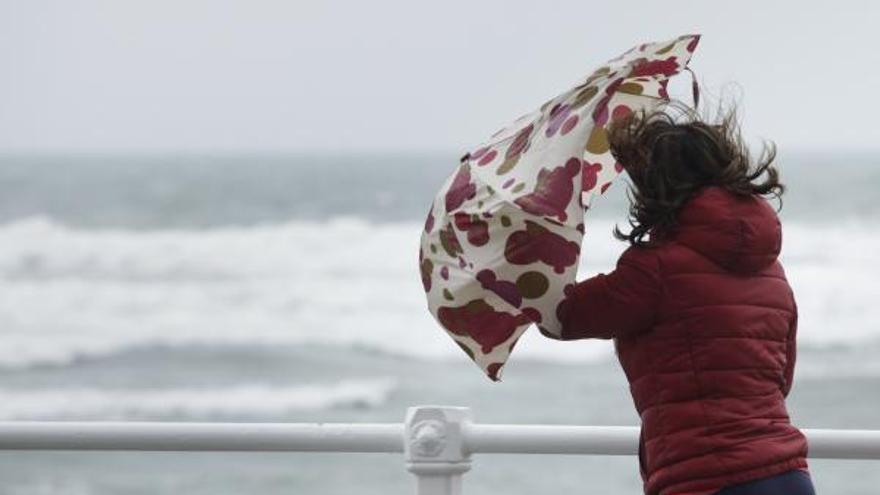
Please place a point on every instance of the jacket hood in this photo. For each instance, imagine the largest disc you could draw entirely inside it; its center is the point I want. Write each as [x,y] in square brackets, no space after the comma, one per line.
[742,234]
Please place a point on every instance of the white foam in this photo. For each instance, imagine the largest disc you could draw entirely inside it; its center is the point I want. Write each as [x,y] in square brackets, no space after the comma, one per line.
[242,400]
[66,292]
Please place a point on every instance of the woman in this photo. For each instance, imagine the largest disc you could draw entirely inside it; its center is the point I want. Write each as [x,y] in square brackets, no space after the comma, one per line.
[702,316]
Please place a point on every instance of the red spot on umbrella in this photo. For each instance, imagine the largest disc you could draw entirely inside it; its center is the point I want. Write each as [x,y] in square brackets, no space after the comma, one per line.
[537,243]
[600,113]
[620,111]
[461,189]
[477,230]
[590,176]
[502,288]
[481,322]
[533,314]
[552,192]
[493,369]
[429,222]
[666,67]
[663,92]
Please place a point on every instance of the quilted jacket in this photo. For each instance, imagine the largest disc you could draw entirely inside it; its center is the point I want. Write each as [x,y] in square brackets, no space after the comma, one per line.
[704,325]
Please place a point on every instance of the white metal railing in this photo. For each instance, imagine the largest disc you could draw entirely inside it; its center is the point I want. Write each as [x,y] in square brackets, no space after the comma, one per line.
[437,441]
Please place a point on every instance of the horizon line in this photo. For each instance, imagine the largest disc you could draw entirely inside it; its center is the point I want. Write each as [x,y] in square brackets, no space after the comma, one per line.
[331,151]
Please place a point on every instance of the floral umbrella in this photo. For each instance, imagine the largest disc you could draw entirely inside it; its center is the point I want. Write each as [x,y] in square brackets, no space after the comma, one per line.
[503,236]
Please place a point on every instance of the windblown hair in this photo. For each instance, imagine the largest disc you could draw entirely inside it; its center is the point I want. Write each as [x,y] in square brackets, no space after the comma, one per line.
[670,153]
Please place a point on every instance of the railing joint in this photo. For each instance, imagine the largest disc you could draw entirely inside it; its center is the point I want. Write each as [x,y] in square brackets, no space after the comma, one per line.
[434,447]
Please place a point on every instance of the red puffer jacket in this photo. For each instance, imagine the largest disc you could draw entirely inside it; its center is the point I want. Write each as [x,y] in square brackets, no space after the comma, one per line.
[704,327]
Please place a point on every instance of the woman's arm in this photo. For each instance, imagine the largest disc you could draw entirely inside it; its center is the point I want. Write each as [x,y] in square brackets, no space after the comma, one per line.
[791,352]
[616,304]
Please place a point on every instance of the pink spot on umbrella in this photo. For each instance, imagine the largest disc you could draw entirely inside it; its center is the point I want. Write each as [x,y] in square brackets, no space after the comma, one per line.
[557,118]
[569,125]
[600,115]
[480,152]
[520,142]
[487,159]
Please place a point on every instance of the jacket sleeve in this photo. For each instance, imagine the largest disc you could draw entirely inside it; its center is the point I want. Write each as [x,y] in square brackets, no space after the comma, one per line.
[617,304]
[643,463]
[790,353]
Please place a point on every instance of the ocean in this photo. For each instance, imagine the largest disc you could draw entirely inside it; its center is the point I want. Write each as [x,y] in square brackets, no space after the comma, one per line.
[285,287]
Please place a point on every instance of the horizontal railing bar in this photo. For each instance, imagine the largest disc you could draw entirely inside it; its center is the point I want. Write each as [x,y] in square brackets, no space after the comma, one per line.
[369,437]
[623,440]
[217,437]
[551,439]
[843,444]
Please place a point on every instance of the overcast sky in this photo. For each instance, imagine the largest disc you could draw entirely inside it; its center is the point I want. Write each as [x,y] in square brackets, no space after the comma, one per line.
[215,75]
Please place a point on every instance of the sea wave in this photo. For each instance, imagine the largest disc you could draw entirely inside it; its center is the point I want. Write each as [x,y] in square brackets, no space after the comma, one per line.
[227,401]
[70,293]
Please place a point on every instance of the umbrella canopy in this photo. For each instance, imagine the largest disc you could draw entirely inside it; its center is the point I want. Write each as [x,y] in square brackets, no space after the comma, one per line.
[503,235]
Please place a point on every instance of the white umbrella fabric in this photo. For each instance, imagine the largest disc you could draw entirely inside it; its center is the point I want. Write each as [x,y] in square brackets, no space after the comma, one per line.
[503,235]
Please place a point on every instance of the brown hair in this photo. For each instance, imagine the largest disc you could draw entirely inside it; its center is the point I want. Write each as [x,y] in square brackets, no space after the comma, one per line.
[668,159]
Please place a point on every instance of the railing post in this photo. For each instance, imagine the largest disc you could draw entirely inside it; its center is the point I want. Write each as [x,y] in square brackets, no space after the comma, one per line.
[434,448]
